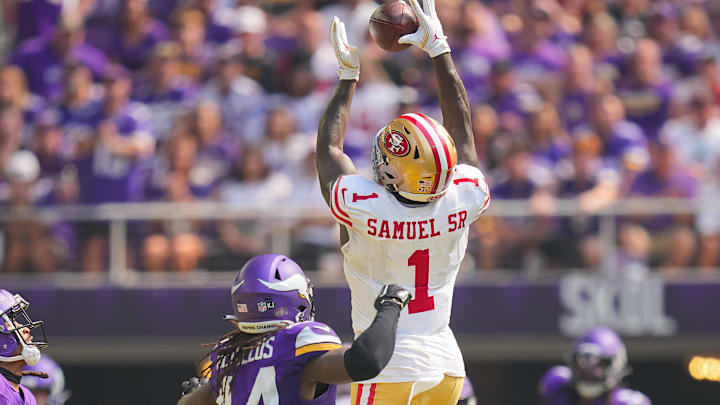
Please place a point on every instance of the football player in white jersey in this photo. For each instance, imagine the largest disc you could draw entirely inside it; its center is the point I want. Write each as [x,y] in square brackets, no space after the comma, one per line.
[409,225]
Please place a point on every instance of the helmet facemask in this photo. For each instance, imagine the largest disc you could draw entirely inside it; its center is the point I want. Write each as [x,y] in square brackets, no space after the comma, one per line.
[15,320]
[595,372]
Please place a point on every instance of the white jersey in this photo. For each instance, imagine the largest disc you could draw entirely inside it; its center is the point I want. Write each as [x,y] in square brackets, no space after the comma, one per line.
[419,248]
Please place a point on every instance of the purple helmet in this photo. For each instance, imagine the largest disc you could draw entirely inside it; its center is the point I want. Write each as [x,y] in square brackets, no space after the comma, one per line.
[598,362]
[270,290]
[15,319]
[54,385]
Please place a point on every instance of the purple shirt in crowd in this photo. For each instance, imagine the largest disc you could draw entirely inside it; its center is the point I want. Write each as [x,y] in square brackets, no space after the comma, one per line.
[625,146]
[106,177]
[8,395]
[37,18]
[575,108]
[647,106]
[44,68]
[676,184]
[273,371]
[556,389]
[134,55]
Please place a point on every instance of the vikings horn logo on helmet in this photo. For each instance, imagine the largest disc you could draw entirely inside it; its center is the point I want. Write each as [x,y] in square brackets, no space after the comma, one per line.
[397,144]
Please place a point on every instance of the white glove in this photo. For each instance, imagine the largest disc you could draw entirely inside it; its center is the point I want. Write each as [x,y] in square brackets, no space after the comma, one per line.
[347,56]
[429,36]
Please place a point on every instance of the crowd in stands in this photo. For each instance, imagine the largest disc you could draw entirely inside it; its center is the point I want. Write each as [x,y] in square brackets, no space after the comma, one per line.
[218,100]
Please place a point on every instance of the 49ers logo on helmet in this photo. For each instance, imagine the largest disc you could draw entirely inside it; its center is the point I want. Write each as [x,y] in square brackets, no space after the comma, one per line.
[397,144]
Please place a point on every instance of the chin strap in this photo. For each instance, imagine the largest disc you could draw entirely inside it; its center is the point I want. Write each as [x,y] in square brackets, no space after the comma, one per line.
[10,376]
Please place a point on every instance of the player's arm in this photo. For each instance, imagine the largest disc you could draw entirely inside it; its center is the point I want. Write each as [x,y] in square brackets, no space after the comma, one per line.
[453,97]
[370,352]
[332,162]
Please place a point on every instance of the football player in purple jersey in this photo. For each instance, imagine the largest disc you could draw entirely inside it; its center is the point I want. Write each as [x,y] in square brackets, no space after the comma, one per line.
[278,353]
[596,366]
[18,348]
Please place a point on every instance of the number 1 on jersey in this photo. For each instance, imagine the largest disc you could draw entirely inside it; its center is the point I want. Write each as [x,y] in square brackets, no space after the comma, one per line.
[422,302]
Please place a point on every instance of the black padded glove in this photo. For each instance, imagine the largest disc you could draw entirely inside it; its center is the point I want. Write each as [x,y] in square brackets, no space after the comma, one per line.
[191,384]
[393,294]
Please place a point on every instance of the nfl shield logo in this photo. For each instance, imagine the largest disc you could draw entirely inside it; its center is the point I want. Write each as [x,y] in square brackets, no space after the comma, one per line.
[262,306]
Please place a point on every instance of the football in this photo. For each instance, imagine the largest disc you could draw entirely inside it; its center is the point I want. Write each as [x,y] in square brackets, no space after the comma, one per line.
[391,21]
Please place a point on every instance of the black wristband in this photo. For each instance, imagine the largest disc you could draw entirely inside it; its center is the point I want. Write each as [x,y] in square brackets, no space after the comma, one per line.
[372,350]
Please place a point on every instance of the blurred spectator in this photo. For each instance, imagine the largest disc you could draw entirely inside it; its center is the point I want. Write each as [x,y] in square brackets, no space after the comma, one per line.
[623,144]
[39,18]
[176,244]
[14,91]
[216,149]
[165,91]
[134,35]
[303,99]
[515,242]
[283,149]
[51,148]
[601,37]
[645,94]
[587,178]
[695,140]
[485,131]
[80,104]
[514,101]
[113,160]
[12,126]
[313,239]
[196,56]
[478,40]
[579,87]
[218,20]
[240,98]
[28,243]
[252,185]
[535,58]
[549,142]
[672,239]
[43,59]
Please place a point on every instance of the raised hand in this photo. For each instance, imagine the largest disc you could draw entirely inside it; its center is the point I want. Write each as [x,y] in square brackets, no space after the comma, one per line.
[429,36]
[347,55]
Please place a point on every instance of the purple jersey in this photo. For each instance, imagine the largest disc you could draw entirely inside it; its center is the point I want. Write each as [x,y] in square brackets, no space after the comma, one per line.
[273,370]
[647,106]
[134,55]
[8,395]
[106,177]
[676,184]
[556,389]
[37,18]
[44,67]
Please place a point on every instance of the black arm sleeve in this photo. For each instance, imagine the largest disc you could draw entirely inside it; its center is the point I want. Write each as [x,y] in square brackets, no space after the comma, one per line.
[371,351]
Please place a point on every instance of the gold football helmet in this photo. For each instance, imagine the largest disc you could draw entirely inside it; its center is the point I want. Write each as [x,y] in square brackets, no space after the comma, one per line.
[415,157]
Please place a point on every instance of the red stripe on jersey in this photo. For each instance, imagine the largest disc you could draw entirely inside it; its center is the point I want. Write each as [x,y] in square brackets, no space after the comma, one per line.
[359,394]
[466,180]
[371,397]
[487,201]
[433,147]
[338,201]
[334,203]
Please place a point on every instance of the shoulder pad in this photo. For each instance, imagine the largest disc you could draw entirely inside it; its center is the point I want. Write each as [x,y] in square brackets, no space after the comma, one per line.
[348,192]
[626,396]
[314,337]
[554,380]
